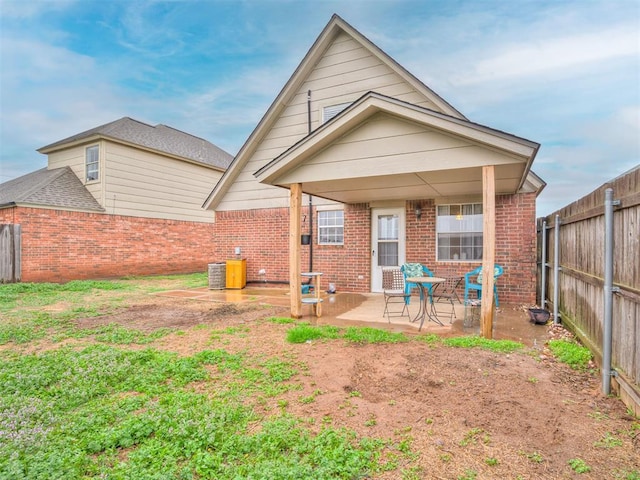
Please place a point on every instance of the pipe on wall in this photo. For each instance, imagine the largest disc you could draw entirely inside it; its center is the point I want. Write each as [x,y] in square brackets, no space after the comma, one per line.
[310,197]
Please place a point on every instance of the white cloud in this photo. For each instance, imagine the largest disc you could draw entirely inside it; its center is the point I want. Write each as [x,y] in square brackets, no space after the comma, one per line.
[554,57]
[22,9]
[564,74]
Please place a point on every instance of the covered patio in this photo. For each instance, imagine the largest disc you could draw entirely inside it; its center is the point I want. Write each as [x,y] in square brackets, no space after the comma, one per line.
[383,151]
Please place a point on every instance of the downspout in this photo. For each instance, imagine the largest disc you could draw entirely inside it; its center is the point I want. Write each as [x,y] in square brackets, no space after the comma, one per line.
[310,197]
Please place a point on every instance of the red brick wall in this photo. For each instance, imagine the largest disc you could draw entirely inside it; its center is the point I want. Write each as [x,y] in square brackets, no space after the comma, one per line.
[263,237]
[58,245]
[515,246]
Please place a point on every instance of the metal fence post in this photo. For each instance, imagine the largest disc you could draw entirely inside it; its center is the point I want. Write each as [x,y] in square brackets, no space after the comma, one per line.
[556,271]
[609,203]
[543,283]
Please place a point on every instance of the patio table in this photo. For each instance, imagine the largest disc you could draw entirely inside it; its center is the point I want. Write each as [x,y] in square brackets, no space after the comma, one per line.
[315,300]
[426,311]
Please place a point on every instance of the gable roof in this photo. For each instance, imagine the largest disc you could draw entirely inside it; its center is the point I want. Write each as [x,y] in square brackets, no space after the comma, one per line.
[335,27]
[59,187]
[413,168]
[160,138]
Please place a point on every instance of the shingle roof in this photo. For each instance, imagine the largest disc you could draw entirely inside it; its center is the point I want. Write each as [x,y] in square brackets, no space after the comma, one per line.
[59,187]
[159,137]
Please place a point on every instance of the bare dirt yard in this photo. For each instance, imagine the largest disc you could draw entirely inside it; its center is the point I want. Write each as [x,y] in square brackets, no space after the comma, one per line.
[465,412]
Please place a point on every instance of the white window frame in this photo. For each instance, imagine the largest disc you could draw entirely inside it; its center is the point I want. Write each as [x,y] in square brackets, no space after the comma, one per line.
[464,219]
[331,221]
[92,174]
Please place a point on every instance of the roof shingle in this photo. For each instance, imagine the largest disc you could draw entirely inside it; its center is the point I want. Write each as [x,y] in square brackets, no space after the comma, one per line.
[159,137]
[59,187]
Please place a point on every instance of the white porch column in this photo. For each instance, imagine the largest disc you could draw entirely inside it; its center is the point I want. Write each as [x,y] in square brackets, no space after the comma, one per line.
[295,282]
[487,309]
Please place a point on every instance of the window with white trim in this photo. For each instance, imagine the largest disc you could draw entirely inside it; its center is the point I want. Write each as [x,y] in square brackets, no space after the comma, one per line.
[332,110]
[459,232]
[331,227]
[92,163]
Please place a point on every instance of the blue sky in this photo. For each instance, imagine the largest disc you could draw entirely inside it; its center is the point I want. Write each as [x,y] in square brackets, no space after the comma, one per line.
[563,73]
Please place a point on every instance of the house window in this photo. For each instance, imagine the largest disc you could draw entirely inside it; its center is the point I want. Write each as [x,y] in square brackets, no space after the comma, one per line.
[331,227]
[331,111]
[92,163]
[459,232]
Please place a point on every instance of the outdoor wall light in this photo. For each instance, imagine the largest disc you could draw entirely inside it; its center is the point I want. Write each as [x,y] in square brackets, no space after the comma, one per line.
[418,213]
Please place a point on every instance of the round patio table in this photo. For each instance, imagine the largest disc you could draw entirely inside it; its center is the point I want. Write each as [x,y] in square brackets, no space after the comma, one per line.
[426,311]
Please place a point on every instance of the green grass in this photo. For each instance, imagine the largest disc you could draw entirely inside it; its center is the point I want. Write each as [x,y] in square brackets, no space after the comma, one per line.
[108,412]
[579,466]
[281,320]
[13,295]
[372,335]
[500,346]
[571,353]
[306,333]
[608,441]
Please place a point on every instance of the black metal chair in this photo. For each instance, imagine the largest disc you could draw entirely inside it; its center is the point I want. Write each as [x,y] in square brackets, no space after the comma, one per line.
[394,292]
[446,291]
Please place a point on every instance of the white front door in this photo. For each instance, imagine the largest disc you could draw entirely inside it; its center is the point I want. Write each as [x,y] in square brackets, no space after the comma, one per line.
[388,242]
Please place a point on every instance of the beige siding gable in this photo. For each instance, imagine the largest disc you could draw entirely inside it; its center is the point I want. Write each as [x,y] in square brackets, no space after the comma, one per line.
[387,145]
[144,184]
[139,183]
[344,72]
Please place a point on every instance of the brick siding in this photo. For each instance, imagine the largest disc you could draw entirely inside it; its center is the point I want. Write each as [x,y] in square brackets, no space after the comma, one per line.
[58,245]
[262,236]
[515,246]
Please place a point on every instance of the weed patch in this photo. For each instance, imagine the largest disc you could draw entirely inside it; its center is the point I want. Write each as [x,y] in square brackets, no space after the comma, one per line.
[373,335]
[77,414]
[571,353]
[500,346]
[304,332]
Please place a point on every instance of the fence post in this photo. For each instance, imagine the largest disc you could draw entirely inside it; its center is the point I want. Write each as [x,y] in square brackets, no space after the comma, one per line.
[556,271]
[543,283]
[609,203]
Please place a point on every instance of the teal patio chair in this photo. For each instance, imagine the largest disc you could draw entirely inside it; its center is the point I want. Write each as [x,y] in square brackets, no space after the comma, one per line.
[473,281]
[415,270]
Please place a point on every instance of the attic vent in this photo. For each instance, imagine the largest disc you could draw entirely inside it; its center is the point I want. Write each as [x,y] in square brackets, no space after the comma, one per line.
[331,111]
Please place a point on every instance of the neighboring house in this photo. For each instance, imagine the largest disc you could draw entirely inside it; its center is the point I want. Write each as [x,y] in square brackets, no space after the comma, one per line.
[120,199]
[393,171]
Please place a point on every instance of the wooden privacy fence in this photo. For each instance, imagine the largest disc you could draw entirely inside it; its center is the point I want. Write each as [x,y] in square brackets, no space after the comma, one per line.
[581,253]
[10,253]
